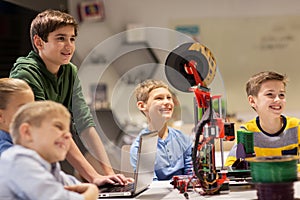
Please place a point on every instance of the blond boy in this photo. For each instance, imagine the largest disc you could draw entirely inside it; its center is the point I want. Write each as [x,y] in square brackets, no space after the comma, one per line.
[30,169]
[13,94]
[173,157]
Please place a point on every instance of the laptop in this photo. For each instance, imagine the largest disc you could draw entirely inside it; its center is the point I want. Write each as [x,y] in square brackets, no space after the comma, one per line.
[143,174]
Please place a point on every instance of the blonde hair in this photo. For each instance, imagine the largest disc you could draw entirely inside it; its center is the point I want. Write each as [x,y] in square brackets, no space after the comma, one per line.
[35,113]
[10,86]
[254,83]
[143,89]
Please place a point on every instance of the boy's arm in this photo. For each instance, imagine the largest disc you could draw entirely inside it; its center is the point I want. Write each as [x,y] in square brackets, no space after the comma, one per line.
[231,158]
[86,170]
[232,155]
[95,146]
[78,161]
[28,177]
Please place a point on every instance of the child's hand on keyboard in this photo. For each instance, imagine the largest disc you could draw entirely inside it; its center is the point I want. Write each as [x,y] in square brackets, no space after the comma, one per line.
[112,179]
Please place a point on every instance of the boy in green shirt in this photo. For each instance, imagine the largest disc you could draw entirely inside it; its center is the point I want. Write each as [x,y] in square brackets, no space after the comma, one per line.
[51,76]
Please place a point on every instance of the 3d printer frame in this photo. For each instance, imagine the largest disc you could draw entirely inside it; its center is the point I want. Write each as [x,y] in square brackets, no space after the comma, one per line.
[197,65]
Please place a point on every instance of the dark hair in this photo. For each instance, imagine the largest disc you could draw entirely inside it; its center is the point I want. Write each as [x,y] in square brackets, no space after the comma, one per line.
[49,21]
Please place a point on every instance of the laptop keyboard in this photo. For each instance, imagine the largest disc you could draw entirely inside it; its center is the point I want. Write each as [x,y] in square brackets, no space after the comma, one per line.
[118,188]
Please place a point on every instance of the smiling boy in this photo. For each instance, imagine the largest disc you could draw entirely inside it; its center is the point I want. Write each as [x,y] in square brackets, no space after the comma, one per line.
[274,133]
[30,169]
[52,76]
[173,157]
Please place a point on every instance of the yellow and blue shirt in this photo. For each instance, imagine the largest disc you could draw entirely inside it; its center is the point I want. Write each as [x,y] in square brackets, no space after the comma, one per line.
[285,142]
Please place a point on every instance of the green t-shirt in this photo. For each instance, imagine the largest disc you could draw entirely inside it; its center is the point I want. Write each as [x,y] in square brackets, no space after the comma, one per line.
[65,88]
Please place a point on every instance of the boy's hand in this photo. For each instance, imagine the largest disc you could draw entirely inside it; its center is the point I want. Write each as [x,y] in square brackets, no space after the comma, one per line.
[81,188]
[88,190]
[112,179]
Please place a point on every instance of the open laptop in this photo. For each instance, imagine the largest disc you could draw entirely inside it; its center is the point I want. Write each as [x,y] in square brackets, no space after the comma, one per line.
[143,174]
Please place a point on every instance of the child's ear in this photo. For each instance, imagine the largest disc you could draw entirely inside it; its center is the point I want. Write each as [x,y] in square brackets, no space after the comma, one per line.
[141,105]
[38,42]
[25,132]
[251,101]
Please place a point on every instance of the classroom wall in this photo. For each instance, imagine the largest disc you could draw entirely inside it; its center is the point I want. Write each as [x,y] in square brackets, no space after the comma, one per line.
[166,13]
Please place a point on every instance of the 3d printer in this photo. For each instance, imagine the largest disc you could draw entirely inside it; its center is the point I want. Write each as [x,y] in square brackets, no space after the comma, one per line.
[191,67]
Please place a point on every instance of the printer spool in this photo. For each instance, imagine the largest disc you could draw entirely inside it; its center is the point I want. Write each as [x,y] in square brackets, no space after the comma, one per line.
[274,176]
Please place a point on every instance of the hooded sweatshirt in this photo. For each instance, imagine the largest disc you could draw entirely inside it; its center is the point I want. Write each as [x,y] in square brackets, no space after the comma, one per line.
[65,88]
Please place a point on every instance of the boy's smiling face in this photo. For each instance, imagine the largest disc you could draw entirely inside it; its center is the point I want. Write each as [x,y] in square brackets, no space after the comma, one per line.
[52,139]
[59,48]
[270,100]
[160,105]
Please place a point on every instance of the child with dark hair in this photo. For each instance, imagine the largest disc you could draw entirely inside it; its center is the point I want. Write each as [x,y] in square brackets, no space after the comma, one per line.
[52,76]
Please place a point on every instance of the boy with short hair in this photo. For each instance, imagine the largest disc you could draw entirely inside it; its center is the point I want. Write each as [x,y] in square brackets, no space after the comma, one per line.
[174,148]
[274,134]
[30,169]
[52,76]
[13,94]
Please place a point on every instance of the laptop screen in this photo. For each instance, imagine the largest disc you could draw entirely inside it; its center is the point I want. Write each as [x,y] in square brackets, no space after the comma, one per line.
[146,160]
[144,173]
